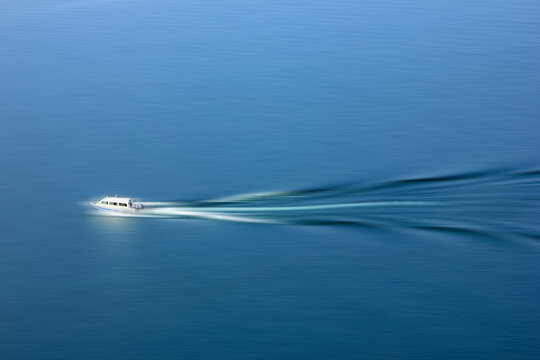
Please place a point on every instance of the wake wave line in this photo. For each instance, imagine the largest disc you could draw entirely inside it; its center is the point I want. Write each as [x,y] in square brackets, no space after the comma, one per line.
[498,201]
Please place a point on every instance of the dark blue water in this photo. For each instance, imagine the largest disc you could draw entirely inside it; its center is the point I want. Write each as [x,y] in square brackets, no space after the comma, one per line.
[428,111]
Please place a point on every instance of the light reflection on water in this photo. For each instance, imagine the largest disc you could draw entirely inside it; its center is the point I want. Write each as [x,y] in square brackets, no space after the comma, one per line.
[116,228]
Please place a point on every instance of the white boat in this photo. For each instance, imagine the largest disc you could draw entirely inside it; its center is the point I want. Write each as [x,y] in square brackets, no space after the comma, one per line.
[115,203]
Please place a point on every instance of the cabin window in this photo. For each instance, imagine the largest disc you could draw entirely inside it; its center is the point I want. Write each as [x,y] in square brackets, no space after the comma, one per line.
[105,202]
[113,203]
[122,204]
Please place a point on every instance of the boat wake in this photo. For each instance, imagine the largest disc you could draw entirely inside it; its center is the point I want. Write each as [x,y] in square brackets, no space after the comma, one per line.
[492,202]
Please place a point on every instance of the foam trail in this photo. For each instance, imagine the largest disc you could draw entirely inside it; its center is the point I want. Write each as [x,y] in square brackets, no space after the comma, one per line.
[206,215]
[317,207]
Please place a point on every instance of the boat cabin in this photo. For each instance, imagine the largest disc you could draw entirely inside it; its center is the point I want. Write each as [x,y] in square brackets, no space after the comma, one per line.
[116,203]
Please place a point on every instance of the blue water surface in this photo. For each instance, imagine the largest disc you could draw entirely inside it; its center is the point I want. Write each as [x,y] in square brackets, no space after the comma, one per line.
[190,100]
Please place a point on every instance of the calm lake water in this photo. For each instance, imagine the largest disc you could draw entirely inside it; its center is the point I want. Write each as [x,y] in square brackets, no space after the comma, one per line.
[423,115]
